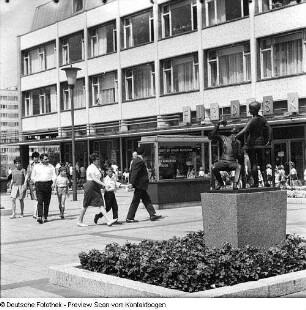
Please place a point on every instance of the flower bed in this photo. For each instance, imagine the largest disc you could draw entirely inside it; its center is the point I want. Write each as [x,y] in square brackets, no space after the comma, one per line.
[186,264]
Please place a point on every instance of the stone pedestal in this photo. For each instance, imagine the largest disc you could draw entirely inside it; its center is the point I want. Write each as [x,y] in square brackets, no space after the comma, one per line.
[254,217]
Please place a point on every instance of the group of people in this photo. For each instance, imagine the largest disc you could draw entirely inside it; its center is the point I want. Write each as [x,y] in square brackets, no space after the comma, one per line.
[43,178]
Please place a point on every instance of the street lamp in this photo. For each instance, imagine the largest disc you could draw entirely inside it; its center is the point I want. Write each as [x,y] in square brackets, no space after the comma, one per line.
[71,77]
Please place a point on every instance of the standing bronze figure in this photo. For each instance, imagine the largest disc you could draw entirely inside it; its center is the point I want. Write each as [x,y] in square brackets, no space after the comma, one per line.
[258,137]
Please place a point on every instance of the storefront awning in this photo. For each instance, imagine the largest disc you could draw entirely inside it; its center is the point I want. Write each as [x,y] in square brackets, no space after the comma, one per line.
[174,139]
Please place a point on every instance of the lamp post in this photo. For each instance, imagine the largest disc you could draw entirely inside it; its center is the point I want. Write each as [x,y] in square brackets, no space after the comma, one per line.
[71,77]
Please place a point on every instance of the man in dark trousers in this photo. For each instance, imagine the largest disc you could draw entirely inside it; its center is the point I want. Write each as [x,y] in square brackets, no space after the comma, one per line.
[139,180]
[43,175]
[228,160]
[258,137]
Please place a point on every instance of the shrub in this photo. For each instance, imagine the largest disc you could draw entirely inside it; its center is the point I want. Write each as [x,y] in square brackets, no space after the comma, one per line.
[187,264]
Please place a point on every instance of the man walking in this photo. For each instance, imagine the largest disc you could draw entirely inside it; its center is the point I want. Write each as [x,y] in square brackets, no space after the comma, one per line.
[139,180]
[35,158]
[44,177]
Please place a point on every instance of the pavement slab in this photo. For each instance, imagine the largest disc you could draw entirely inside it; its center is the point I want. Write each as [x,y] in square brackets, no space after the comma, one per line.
[28,249]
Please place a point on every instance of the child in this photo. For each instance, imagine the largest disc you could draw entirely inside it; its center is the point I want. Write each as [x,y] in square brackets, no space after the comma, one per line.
[109,195]
[61,187]
[18,187]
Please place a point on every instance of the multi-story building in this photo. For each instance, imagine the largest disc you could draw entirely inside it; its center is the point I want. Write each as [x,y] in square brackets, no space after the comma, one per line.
[9,116]
[153,67]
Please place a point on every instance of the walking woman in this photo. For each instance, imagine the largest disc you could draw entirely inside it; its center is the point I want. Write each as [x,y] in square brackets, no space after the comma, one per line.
[92,191]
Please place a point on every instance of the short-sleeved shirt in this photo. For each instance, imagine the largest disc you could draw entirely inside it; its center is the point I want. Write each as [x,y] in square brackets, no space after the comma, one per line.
[61,181]
[93,169]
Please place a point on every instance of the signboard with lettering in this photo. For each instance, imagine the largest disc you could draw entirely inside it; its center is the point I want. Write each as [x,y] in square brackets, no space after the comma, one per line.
[214,111]
[267,105]
[235,109]
[186,115]
[293,103]
[248,101]
[200,113]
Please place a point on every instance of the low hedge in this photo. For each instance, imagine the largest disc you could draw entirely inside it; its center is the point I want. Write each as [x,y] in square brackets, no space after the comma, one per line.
[187,264]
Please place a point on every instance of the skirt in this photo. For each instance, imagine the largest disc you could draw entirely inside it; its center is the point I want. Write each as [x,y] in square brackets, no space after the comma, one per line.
[92,195]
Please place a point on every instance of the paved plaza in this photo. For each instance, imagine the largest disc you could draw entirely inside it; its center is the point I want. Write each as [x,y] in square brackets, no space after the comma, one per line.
[28,249]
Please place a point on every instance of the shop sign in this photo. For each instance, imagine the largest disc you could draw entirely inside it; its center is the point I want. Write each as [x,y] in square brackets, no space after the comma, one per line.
[235,109]
[248,101]
[176,150]
[186,115]
[267,105]
[293,103]
[214,111]
[200,113]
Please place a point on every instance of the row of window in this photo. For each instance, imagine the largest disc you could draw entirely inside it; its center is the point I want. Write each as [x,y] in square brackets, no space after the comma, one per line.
[9,106]
[9,115]
[9,98]
[174,18]
[9,124]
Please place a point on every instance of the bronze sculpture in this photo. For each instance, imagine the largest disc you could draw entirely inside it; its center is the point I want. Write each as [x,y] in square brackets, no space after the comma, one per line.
[258,137]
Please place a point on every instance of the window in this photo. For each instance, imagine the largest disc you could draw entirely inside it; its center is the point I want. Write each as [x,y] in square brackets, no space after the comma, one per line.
[138,29]
[229,65]
[283,55]
[266,5]
[72,49]
[26,63]
[77,5]
[139,82]
[104,89]
[103,40]
[178,17]
[220,11]
[39,101]
[180,74]
[39,59]
[78,95]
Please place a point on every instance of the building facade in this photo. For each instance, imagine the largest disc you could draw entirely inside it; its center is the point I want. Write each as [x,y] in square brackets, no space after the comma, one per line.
[9,122]
[162,67]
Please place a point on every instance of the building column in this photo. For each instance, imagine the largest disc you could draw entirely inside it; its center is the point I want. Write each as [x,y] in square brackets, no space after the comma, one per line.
[58,84]
[24,155]
[253,47]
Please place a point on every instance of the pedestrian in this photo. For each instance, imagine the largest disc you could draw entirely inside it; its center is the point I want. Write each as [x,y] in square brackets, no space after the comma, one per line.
[293,177]
[83,175]
[92,191]
[18,187]
[44,176]
[139,181]
[31,185]
[109,195]
[61,187]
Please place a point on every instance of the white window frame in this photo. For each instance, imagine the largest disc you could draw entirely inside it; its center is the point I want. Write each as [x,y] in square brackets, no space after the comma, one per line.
[194,5]
[65,52]
[151,27]
[213,60]
[195,70]
[28,104]
[127,79]
[245,55]
[165,70]
[127,24]
[94,37]
[95,85]
[114,39]
[42,58]
[262,51]
[152,80]
[42,102]
[163,20]
[26,63]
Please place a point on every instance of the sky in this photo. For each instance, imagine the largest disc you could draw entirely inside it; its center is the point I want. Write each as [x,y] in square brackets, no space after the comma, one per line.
[15,19]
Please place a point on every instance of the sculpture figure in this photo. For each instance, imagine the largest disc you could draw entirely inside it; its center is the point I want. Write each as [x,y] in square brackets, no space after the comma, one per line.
[258,137]
[228,160]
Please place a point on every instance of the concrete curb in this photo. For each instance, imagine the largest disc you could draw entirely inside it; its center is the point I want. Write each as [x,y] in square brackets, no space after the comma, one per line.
[297,201]
[109,286]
